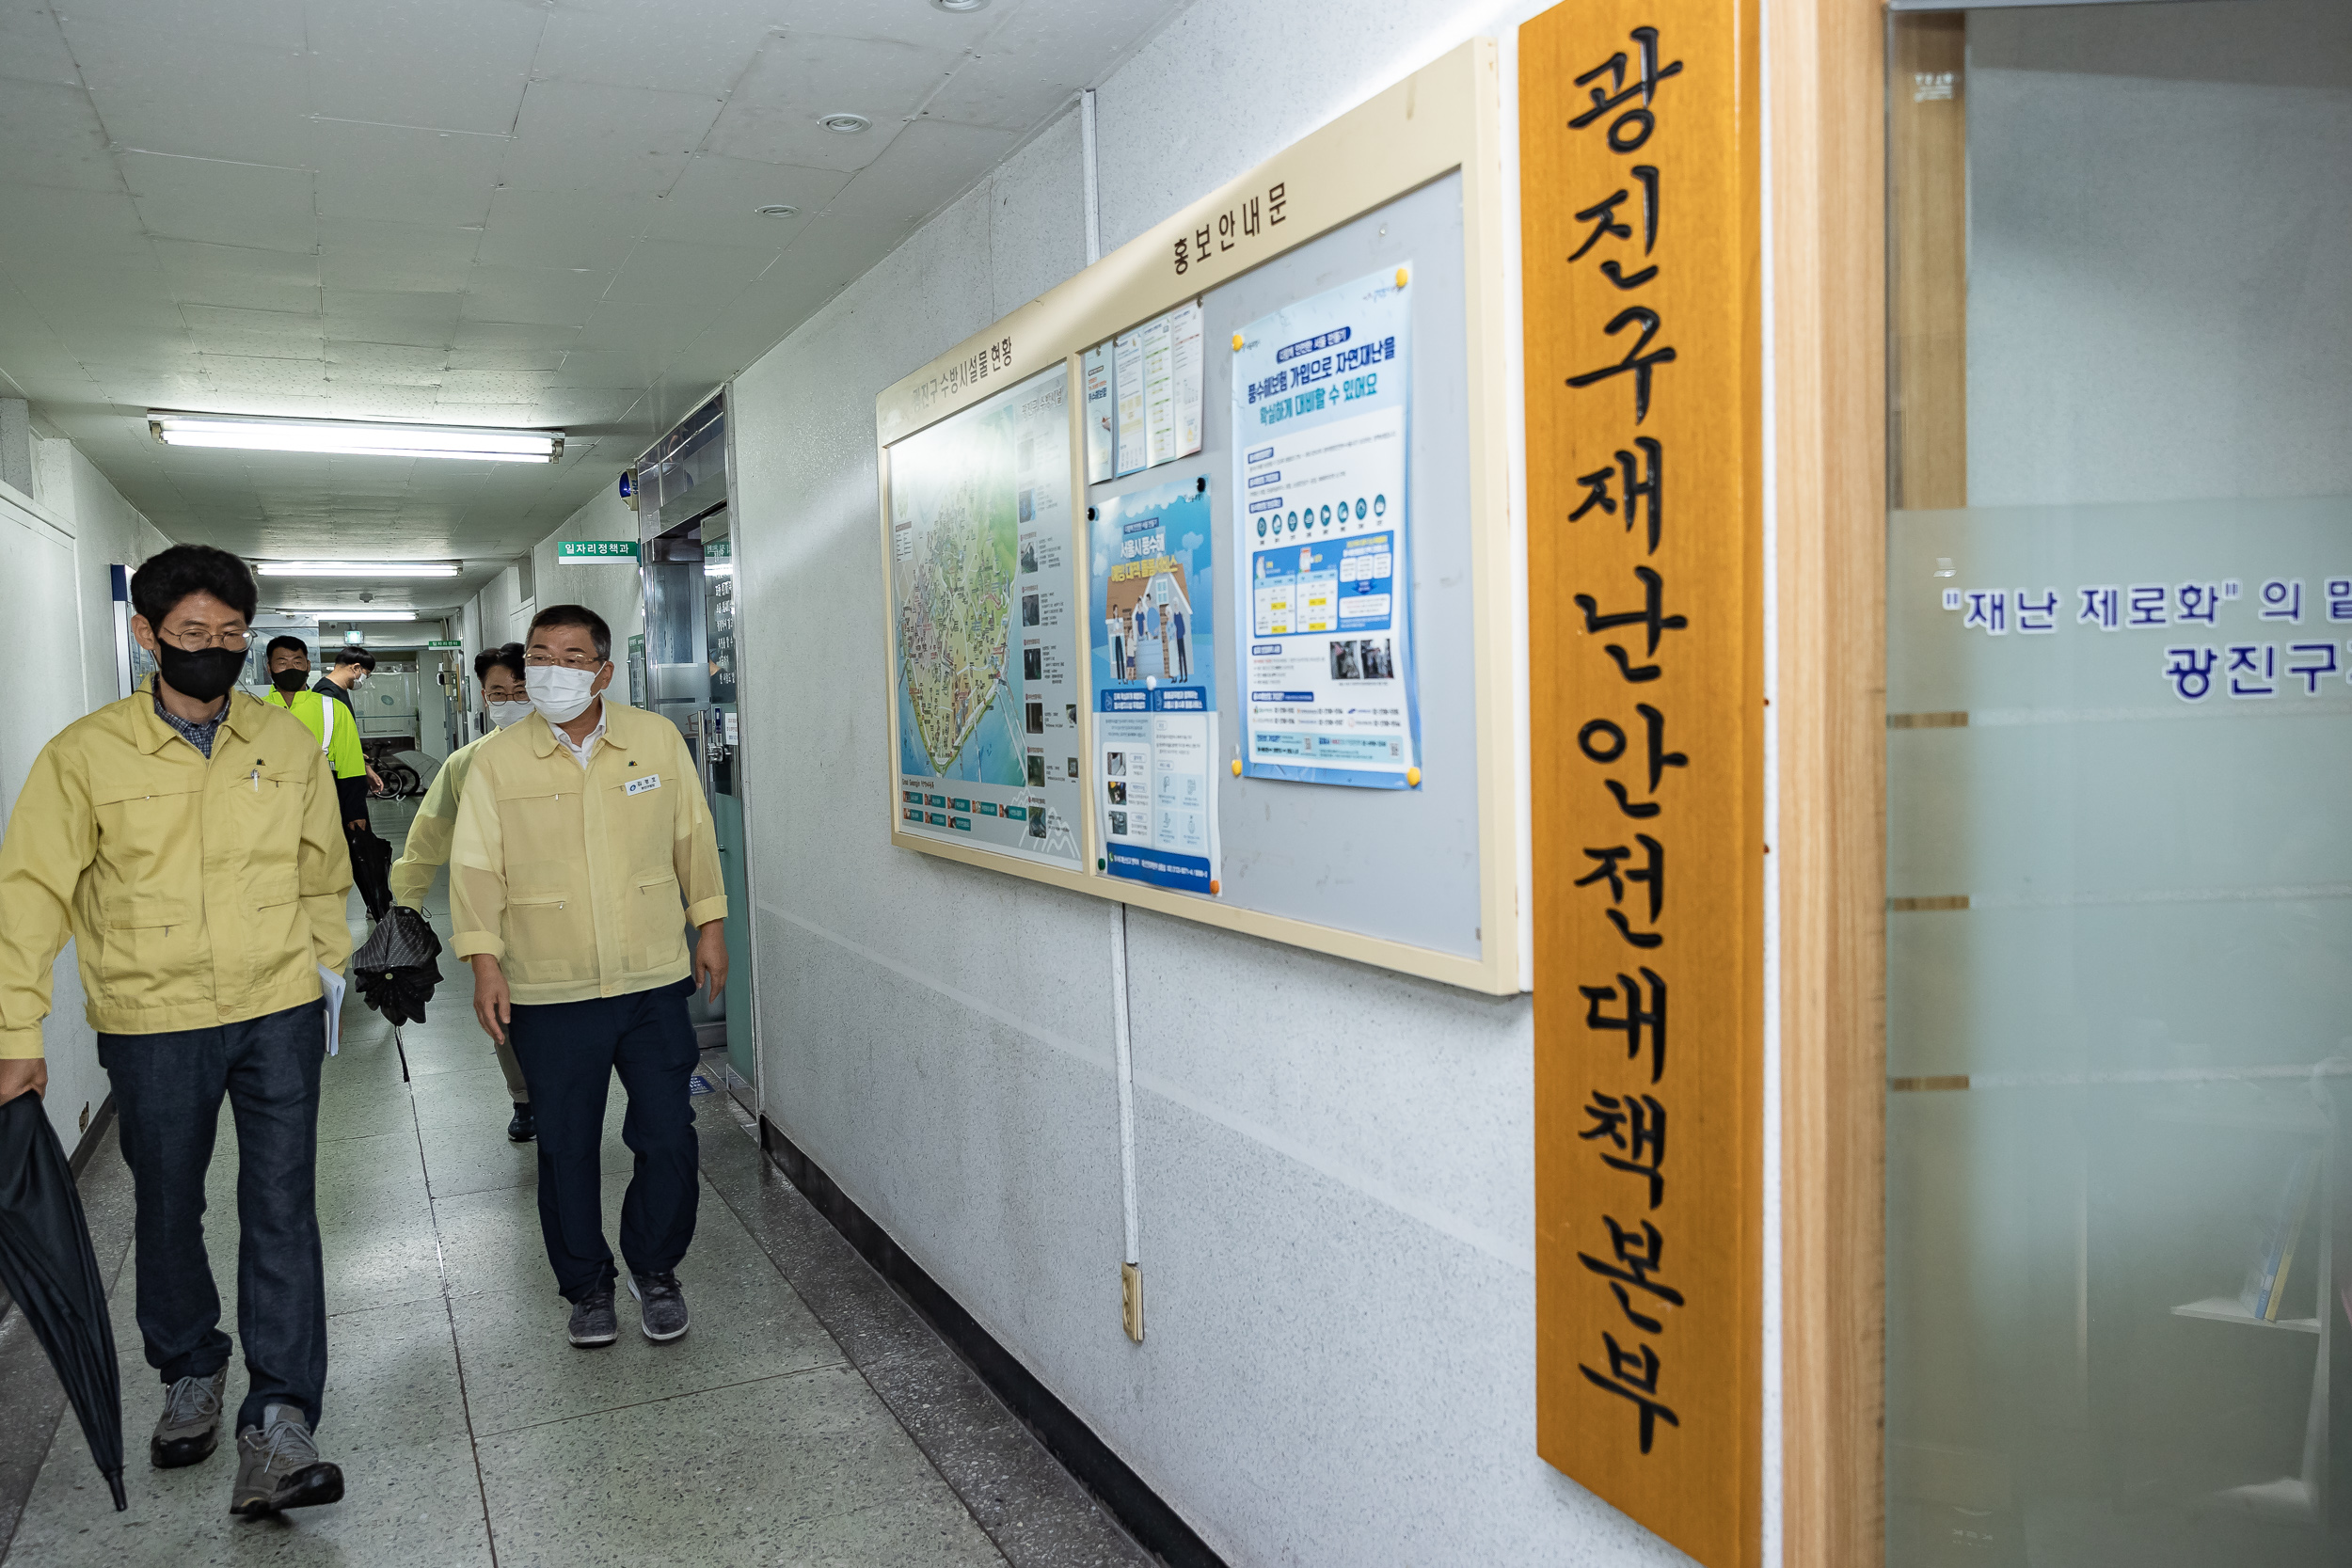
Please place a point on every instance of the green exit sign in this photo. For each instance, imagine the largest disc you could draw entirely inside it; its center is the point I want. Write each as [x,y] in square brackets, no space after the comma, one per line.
[595,549]
[445,643]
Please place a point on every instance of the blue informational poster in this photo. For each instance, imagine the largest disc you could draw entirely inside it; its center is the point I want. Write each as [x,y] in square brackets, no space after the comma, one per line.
[1153,671]
[1321,583]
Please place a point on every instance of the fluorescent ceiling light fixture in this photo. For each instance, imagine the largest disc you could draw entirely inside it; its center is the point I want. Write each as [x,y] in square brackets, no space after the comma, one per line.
[347,613]
[358,568]
[355,438]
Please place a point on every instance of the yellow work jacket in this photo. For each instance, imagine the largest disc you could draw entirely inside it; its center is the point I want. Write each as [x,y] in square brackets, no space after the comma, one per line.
[581,883]
[435,825]
[197,893]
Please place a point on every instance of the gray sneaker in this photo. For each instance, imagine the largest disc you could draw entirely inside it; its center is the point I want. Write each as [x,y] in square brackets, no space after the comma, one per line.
[594,1321]
[278,1467]
[189,1428]
[662,1304]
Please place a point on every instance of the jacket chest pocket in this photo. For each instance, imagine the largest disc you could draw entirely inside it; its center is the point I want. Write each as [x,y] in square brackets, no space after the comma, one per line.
[639,812]
[261,809]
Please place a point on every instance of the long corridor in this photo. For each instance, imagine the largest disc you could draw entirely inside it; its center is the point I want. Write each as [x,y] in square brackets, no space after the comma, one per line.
[808,1417]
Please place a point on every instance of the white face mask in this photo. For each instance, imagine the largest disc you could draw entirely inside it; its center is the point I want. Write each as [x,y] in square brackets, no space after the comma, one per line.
[504,714]
[560,691]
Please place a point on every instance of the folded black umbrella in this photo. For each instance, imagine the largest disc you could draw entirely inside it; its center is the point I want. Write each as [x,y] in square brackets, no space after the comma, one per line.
[371,869]
[395,968]
[47,1264]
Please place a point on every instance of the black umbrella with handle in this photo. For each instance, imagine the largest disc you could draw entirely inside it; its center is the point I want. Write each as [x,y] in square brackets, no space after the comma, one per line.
[48,1265]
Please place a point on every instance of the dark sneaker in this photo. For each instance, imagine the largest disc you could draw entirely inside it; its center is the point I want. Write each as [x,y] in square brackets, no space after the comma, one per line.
[661,1306]
[278,1467]
[524,1127]
[189,1428]
[594,1321]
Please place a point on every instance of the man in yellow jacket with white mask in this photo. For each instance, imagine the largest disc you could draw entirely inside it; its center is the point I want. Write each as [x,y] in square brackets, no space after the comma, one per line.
[186,838]
[585,850]
[499,672]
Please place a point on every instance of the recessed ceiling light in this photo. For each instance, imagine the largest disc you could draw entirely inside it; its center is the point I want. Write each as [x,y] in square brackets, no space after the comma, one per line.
[354,437]
[780,209]
[358,568]
[960,5]
[847,125]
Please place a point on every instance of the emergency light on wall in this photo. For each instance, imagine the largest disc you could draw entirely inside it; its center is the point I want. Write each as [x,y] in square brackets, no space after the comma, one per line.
[358,568]
[354,439]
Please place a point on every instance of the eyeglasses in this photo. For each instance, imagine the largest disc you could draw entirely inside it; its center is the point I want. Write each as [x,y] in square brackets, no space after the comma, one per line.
[192,641]
[569,661]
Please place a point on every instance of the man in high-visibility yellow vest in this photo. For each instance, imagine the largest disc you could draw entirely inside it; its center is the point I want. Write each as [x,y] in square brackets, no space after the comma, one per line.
[288,666]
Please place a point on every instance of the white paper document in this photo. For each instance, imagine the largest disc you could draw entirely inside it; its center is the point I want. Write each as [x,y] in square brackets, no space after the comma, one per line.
[332,984]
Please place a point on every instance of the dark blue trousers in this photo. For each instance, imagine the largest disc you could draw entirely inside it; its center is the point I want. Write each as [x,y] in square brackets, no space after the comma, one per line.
[168,1092]
[569,1052]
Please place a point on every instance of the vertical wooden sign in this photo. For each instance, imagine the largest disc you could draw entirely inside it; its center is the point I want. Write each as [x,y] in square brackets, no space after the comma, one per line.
[1639,158]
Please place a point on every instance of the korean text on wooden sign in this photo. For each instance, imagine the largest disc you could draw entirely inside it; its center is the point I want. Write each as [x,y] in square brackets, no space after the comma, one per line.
[1639,169]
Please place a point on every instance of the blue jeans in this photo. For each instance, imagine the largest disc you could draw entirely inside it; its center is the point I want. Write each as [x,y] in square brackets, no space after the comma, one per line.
[569,1052]
[168,1093]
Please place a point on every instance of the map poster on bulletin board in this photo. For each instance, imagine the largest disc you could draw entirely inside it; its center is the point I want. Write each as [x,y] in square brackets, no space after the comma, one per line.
[988,678]
[1154,665]
[1321,585]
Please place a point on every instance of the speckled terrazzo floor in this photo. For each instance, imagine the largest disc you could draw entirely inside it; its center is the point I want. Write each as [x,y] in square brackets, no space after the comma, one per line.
[470,1431]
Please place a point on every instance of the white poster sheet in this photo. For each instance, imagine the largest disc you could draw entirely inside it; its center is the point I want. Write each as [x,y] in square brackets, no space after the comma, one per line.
[1322,581]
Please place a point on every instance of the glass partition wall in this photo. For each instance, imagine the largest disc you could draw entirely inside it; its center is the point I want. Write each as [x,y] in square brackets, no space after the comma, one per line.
[2119,1025]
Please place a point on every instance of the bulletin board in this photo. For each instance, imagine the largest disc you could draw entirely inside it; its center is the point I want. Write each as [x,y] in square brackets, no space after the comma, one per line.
[1398,201]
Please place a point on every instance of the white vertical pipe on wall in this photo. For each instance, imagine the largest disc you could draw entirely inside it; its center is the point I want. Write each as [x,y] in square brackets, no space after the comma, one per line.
[1122,1040]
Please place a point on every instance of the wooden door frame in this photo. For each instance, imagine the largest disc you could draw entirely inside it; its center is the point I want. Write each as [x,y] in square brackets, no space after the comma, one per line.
[1825,64]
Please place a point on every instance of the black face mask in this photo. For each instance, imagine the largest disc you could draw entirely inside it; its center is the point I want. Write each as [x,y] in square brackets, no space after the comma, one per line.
[288,681]
[203,676]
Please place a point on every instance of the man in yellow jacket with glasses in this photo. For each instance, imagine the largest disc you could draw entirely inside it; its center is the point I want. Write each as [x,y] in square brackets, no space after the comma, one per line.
[186,839]
[585,850]
[505,700]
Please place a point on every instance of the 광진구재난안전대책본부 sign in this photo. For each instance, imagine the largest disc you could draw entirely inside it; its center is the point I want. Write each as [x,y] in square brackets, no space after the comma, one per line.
[1640,245]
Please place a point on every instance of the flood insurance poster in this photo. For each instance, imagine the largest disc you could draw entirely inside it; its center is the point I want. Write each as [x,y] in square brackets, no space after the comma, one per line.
[987,698]
[1320,581]
[1149,618]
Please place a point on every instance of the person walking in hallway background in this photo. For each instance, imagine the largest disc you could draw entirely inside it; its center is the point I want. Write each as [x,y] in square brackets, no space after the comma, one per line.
[352,668]
[584,849]
[506,700]
[186,839]
[287,663]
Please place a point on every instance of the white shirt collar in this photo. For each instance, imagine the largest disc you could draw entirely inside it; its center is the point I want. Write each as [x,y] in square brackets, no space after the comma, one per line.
[586,748]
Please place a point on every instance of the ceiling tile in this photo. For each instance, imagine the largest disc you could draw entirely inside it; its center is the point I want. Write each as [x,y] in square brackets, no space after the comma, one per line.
[261,373]
[234,275]
[553,298]
[893,21]
[580,137]
[925,168]
[442,179]
[510,358]
[49,226]
[424,320]
[486,341]
[801,77]
[53,139]
[717,201]
[454,65]
[708,275]
[380,399]
[565,228]
[394,364]
[220,323]
[515,386]
[32,49]
[223,203]
[254,106]
[703,48]
[277,23]
[367,253]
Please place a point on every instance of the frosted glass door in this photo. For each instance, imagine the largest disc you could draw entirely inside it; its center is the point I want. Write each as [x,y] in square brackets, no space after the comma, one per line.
[2119,785]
